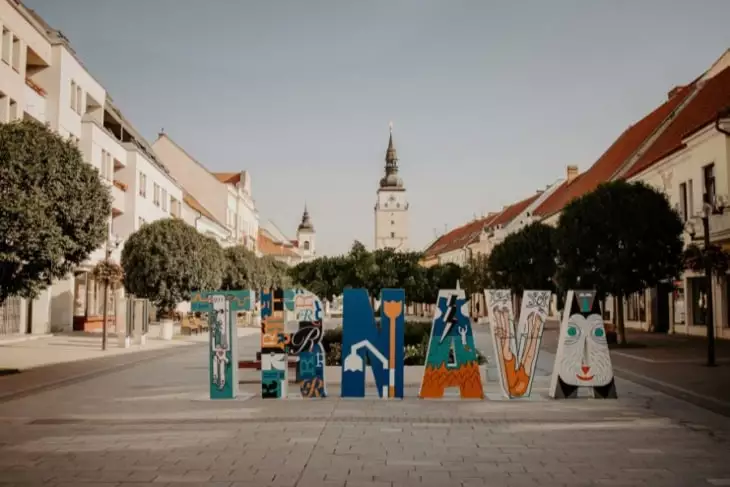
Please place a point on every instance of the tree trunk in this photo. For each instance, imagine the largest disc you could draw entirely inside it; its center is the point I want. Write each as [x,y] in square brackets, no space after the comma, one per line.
[620,327]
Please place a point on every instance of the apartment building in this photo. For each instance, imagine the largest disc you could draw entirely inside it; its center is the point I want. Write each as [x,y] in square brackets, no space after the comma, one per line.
[226,196]
[42,77]
[25,58]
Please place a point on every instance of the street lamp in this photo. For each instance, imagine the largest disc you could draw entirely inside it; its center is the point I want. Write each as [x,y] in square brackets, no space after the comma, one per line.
[110,247]
[710,206]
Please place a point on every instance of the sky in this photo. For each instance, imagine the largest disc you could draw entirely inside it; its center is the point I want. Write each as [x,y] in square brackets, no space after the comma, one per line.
[490,100]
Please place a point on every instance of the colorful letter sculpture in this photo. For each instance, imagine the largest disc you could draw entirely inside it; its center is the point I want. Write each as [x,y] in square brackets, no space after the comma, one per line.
[582,359]
[516,348]
[306,342]
[222,308]
[274,344]
[451,333]
[381,345]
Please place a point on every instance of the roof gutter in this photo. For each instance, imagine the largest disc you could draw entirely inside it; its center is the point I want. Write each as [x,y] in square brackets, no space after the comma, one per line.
[722,114]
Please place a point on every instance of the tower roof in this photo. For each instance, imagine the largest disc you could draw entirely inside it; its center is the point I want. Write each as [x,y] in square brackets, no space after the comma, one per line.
[306,224]
[391,179]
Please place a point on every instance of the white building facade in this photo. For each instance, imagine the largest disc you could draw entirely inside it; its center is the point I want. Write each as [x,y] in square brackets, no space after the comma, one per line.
[227,196]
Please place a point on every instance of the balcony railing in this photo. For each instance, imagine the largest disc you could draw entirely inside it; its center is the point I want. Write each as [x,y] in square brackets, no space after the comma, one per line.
[120,185]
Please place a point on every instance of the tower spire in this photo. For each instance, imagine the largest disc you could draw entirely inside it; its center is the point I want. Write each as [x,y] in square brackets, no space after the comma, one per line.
[391,179]
[306,221]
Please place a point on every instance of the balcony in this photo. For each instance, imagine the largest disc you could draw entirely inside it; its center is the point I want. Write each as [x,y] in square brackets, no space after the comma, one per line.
[719,227]
[35,101]
[118,191]
[99,254]
[97,135]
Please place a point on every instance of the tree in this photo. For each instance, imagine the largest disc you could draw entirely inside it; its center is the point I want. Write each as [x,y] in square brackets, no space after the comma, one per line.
[240,269]
[166,260]
[524,260]
[619,239]
[475,275]
[440,276]
[55,209]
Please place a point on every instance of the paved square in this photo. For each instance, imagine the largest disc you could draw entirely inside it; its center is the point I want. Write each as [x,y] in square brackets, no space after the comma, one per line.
[150,424]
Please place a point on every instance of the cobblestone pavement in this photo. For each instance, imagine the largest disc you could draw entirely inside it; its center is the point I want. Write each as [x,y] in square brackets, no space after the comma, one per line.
[673,364]
[152,424]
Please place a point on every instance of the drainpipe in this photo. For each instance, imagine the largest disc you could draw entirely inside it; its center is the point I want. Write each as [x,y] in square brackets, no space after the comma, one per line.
[200,215]
[721,114]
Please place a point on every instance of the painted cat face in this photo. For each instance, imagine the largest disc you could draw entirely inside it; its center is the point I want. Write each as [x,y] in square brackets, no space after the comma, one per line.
[586,360]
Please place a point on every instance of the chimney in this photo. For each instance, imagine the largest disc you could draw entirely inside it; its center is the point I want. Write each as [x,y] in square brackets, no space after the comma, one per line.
[571,172]
[673,92]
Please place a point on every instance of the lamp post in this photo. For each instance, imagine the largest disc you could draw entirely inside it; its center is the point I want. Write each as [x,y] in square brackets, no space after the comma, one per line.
[107,256]
[710,206]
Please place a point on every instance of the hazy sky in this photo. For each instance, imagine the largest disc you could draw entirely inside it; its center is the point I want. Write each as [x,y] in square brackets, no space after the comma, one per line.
[490,100]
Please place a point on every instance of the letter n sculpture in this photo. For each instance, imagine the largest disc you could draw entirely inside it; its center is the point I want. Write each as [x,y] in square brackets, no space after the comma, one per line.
[274,345]
[582,359]
[381,345]
[452,360]
[222,308]
[516,348]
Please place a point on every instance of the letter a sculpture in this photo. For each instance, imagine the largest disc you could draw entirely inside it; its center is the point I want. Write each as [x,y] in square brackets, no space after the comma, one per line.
[451,360]
[582,359]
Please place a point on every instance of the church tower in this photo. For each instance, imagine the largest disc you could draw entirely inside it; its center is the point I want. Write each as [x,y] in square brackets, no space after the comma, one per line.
[306,237]
[391,208]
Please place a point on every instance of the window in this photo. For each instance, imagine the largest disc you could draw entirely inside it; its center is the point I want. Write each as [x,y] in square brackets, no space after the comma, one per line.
[156,194]
[6,41]
[174,209]
[698,295]
[16,54]
[164,200]
[392,234]
[79,100]
[142,185]
[13,112]
[141,221]
[73,95]
[106,165]
[306,245]
[690,200]
[678,303]
[683,201]
[392,222]
[3,108]
[708,176]
[636,307]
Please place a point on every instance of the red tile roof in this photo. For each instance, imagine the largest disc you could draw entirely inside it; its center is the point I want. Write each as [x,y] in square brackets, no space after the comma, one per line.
[458,237]
[699,112]
[467,234]
[513,211]
[197,206]
[267,246]
[611,160]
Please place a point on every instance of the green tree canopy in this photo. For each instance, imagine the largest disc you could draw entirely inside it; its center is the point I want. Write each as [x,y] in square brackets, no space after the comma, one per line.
[166,260]
[619,239]
[440,276]
[524,260]
[475,275]
[54,209]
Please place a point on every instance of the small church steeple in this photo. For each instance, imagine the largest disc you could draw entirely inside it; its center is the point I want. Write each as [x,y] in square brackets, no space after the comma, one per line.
[306,224]
[391,179]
